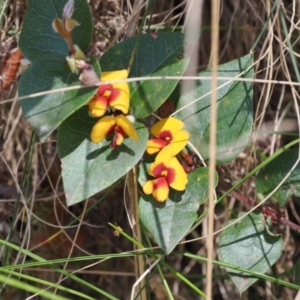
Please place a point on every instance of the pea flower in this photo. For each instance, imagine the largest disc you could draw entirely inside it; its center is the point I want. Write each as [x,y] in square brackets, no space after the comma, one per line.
[115,96]
[119,125]
[168,172]
[168,134]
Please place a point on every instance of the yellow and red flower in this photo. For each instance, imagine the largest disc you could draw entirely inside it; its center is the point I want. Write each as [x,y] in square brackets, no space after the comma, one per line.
[119,125]
[115,96]
[168,172]
[168,134]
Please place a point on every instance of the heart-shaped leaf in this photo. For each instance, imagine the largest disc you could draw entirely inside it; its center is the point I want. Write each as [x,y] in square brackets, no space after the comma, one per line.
[169,222]
[271,176]
[234,112]
[39,41]
[248,244]
[45,113]
[153,55]
[88,168]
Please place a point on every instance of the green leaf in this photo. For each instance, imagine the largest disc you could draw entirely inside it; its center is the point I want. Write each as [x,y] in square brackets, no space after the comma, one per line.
[154,55]
[248,245]
[169,222]
[47,51]
[270,177]
[88,168]
[235,113]
[39,41]
[45,113]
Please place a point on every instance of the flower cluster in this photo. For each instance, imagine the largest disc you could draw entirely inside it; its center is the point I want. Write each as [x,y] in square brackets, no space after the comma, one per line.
[169,139]
[111,105]
[114,100]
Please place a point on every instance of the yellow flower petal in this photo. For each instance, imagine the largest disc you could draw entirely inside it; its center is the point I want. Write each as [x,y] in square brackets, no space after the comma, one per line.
[178,143]
[168,124]
[114,75]
[148,187]
[161,192]
[155,145]
[158,188]
[121,102]
[164,155]
[126,126]
[159,167]
[180,179]
[102,128]
[98,106]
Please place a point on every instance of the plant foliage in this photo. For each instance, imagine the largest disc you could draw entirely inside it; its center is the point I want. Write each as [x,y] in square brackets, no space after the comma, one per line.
[96,156]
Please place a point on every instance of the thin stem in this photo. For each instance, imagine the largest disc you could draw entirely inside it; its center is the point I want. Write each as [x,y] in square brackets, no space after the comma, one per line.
[276,216]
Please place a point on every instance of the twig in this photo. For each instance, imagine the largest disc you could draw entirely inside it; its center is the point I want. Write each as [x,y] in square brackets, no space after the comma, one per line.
[276,216]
